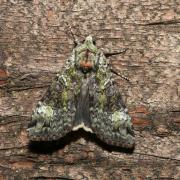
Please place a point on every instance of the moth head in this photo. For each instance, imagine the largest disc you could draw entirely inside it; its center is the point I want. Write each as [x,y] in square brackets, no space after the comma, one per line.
[90,40]
[87,55]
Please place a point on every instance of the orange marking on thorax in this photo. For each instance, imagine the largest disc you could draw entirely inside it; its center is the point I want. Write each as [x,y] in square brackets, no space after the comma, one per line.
[86,63]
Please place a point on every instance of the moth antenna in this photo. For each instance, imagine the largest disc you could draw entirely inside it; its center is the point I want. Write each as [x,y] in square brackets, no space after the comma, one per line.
[120,75]
[115,53]
[76,41]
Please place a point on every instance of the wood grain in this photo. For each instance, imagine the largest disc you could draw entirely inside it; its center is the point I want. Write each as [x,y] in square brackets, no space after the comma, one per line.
[34,43]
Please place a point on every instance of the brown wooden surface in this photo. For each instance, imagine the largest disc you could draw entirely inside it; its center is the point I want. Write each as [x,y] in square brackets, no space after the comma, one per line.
[34,44]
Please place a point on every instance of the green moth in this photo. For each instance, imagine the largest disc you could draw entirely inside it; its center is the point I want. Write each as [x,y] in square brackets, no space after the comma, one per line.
[83,95]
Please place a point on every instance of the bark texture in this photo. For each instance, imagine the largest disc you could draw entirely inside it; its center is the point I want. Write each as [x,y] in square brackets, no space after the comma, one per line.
[34,43]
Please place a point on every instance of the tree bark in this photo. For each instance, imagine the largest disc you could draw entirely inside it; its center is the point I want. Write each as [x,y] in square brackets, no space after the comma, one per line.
[34,44]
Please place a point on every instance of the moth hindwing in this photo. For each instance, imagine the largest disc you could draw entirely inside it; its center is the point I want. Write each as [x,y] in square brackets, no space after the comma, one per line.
[83,95]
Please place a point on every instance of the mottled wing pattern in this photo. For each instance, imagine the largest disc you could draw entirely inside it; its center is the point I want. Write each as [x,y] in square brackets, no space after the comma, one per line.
[109,117]
[54,115]
[84,95]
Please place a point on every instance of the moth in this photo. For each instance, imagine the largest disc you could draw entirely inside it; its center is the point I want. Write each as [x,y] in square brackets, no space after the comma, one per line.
[84,95]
